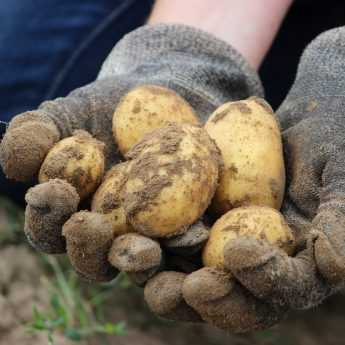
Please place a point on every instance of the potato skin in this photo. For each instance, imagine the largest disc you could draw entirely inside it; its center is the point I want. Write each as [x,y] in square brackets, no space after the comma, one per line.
[248,136]
[261,222]
[107,199]
[146,108]
[171,180]
[79,160]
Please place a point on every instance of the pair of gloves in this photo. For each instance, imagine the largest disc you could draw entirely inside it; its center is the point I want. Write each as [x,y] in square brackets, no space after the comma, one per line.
[207,73]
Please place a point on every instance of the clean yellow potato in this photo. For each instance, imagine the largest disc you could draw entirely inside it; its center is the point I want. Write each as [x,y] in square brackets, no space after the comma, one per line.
[107,199]
[79,160]
[171,180]
[261,222]
[146,108]
[248,137]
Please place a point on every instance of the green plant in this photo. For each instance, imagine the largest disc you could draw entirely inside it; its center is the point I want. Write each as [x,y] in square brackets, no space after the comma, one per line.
[73,311]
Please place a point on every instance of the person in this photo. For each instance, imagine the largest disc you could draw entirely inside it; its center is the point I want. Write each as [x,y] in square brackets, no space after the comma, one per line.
[212,60]
[65,43]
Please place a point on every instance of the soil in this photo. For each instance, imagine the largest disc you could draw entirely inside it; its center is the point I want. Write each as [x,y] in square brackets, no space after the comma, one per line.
[21,286]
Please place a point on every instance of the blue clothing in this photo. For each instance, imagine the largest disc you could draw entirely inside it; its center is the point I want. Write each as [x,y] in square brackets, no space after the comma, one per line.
[50,47]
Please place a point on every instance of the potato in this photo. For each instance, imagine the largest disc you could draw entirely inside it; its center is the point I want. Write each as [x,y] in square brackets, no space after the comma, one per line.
[79,160]
[171,180]
[107,199]
[146,108]
[248,136]
[261,222]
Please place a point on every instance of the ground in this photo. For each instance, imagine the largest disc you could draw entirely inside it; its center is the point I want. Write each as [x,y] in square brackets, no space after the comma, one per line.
[22,285]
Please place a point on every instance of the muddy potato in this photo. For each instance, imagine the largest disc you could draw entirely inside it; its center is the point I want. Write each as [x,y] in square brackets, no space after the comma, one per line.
[146,108]
[79,160]
[107,199]
[261,222]
[248,136]
[171,180]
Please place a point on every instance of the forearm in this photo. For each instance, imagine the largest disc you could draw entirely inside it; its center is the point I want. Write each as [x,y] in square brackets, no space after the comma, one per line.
[248,25]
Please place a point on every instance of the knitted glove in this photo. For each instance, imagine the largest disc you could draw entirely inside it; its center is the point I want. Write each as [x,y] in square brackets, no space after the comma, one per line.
[204,71]
[313,120]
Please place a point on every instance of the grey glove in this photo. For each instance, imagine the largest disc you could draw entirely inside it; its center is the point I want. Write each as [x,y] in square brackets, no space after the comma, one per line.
[206,72]
[313,120]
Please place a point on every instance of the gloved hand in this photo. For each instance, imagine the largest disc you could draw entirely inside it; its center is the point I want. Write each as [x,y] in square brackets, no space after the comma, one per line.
[313,121]
[312,118]
[207,73]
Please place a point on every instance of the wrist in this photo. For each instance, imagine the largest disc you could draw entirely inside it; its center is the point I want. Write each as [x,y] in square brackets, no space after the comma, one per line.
[249,26]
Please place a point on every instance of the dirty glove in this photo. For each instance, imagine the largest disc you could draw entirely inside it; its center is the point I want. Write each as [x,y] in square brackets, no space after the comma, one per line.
[202,69]
[313,121]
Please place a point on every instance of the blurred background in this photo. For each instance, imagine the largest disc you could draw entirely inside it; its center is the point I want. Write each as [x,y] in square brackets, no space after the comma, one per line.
[41,300]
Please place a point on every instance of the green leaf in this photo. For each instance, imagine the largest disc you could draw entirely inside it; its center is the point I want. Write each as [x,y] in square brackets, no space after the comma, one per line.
[57,323]
[39,322]
[73,334]
[115,328]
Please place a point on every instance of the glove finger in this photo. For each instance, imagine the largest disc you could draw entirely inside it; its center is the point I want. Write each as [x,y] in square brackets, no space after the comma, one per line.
[25,144]
[163,294]
[49,205]
[222,302]
[89,237]
[270,274]
[135,253]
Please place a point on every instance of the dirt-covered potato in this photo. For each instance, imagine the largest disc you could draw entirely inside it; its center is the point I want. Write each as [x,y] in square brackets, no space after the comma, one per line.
[107,199]
[171,180]
[248,136]
[49,205]
[78,159]
[261,222]
[89,237]
[146,108]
